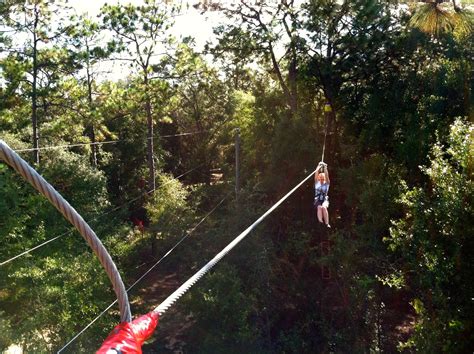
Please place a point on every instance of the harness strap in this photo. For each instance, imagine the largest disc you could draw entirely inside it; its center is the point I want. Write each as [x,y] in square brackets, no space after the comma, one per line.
[321,194]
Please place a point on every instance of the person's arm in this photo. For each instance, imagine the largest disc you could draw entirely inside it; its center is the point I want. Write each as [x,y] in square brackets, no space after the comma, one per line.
[324,167]
[318,169]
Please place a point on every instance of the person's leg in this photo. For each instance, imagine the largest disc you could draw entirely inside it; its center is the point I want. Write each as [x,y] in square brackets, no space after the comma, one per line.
[325,215]
[320,213]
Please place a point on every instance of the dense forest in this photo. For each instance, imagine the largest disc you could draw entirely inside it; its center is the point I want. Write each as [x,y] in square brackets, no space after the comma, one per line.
[147,156]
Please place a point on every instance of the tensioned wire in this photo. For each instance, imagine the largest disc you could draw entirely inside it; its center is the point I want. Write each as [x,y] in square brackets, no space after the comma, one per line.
[95,219]
[328,109]
[147,272]
[324,145]
[161,309]
[104,142]
[190,282]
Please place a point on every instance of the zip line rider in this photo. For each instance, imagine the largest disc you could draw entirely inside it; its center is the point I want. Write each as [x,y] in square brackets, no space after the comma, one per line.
[321,189]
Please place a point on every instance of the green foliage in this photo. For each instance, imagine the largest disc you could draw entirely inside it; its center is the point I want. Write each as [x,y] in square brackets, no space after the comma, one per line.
[168,206]
[349,41]
[65,289]
[83,187]
[61,281]
[223,313]
[6,331]
[395,92]
[434,239]
[436,18]
[212,117]
[77,181]
[137,30]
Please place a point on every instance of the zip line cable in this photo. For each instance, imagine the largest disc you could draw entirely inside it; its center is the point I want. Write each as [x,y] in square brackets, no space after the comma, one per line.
[7,154]
[68,146]
[147,272]
[36,247]
[184,237]
[104,142]
[183,134]
[161,309]
[42,186]
[324,145]
[327,108]
[94,219]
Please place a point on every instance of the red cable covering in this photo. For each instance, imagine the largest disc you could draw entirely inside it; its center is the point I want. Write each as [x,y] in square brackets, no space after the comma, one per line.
[128,337]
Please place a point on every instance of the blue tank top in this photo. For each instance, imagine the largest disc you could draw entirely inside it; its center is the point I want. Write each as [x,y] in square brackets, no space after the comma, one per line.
[321,190]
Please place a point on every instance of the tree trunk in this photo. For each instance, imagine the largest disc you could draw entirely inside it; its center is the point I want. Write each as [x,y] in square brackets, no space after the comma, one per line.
[292,78]
[466,66]
[330,116]
[34,95]
[284,87]
[90,129]
[149,117]
[293,67]
[93,157]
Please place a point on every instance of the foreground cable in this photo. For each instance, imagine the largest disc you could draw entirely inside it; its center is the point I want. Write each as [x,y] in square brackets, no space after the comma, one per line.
[191,281]
[121,339]
[144,275]
[94,219]
[40,184]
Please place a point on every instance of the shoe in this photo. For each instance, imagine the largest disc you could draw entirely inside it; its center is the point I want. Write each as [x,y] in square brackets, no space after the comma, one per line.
[329,226]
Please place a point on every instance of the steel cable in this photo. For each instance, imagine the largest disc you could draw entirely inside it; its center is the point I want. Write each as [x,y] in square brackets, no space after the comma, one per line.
[40,184]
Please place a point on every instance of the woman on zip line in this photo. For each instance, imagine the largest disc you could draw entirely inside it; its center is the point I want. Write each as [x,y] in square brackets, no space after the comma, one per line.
[321,189]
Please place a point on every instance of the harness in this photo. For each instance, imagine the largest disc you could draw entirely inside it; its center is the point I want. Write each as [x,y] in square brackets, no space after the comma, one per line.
[321,192]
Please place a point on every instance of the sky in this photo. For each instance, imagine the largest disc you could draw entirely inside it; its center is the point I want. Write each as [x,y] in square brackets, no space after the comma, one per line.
[189,23]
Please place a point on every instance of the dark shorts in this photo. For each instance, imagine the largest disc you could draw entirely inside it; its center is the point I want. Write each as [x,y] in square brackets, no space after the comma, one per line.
[318,202]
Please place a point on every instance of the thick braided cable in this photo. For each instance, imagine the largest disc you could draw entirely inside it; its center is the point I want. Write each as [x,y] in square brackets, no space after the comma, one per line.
[40,184]
[160,309]
[145,274]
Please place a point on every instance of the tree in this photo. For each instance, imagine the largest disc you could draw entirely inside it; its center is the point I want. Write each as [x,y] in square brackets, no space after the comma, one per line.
[167,209]
[35,18]
[201,103]
[347,43]
[440,16]
[141,32]
[432,239]
[224,309]
[260,30]
[47,279]
[86,39]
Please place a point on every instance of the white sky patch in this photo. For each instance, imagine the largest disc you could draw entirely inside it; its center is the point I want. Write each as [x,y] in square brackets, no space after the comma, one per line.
[189,23]
[91,8]
[196,25]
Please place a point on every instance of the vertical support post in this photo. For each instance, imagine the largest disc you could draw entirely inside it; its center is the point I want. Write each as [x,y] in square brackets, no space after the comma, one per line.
[237,163]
